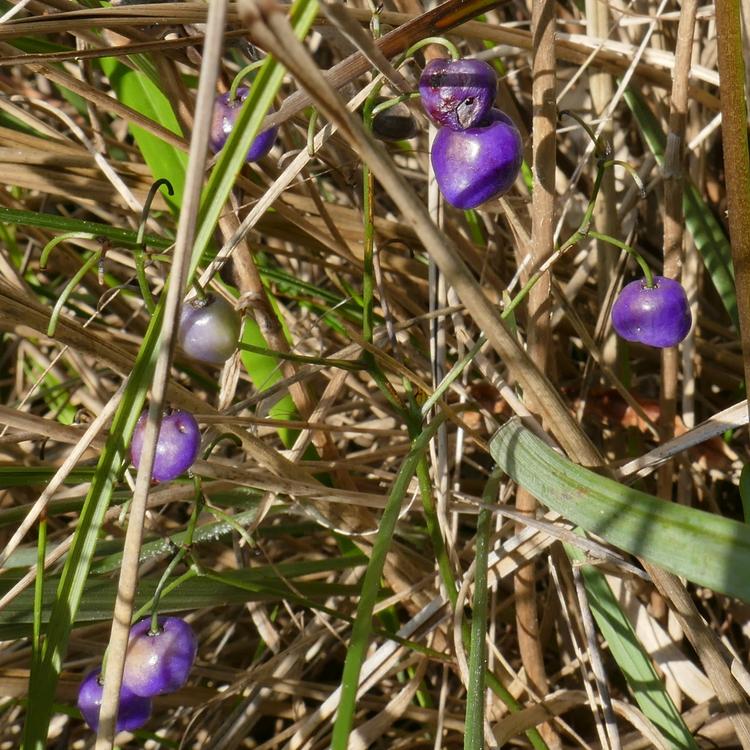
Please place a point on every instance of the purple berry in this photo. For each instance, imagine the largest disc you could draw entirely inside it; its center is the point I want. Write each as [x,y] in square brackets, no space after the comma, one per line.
[656,316]
[209,329]
[133,713]
[474,165]
[222,123]
[176,447]
[158,663]
[457,94]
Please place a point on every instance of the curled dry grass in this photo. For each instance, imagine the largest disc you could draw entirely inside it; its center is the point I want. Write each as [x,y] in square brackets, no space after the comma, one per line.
[313,477]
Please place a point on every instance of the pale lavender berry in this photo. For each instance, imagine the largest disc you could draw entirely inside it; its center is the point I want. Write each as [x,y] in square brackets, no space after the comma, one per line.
[133,713]
[209,329]
[473,165]
[223,120]
[159,662]
[657,316]
[457,94]
[176,446]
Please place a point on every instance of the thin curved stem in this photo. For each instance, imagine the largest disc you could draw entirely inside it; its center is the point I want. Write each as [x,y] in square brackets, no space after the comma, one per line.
[55,241]
[237,80]
[452,49]
[140,251]
[647,272]
[70,286]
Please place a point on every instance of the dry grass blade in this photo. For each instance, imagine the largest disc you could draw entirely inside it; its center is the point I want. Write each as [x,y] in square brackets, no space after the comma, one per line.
[123,613]
[322,554]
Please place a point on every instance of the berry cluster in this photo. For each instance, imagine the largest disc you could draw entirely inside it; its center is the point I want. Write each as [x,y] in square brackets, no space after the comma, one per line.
[156,663]
[478,152]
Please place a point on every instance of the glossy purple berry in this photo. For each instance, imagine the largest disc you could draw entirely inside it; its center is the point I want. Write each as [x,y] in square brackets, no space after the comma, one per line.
[133,713]
[656,316]
[225,115]
[176,447]
[457,94]
[209,329]
[160,662]
[474,165]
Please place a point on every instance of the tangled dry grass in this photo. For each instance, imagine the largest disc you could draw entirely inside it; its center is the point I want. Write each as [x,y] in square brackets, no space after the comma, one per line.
[310,430]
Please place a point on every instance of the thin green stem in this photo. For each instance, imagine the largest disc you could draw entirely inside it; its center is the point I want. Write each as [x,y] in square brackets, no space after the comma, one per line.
[584,228]
[140,251]
[422,43]
[383,106]
[647,272]
[182,552]
[55,241]
[342,364]
[90,264]
[602,149]
[311,133]
[41,552]
[631,170]
[161,182]
[240,77]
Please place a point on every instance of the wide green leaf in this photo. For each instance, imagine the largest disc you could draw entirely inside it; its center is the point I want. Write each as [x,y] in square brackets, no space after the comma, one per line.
[705,548]
[138,91]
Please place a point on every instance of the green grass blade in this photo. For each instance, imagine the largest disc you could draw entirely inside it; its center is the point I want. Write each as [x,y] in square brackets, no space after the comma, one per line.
[264,88]
[263,371]
[264,583]
[371,587]
[43,679]
[637,668]
[706,231]
[704,548]
[61,224]
[475,697]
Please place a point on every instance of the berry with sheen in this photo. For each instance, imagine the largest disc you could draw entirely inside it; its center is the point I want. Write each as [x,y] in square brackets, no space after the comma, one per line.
[209,329]
[657,316]
[474,165]
[133,713]
[457,94]
[176,446]
[222,123]
[160,662]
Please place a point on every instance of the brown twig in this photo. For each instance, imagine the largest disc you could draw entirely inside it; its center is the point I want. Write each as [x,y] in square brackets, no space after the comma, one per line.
[673,221]
[736,158]
[544,121]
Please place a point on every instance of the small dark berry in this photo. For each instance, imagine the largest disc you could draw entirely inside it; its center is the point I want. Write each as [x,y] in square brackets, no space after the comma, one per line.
[395,123]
